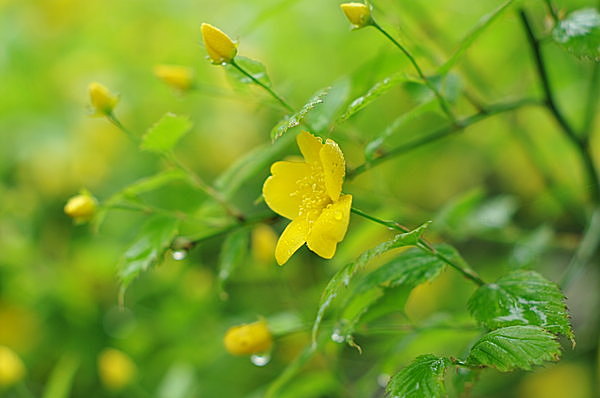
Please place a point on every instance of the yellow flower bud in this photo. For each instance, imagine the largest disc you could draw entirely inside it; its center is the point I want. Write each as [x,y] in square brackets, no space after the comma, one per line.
[116,369]
[81,207]
[248,339]
[220,47]
[178,77]
[358,14]
[264,241]
[103,101]
[12,369]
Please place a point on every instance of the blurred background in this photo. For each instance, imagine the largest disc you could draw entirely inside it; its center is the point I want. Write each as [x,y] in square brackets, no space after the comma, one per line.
[483,188]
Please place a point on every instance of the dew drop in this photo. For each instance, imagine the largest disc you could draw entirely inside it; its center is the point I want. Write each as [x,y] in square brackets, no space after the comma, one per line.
[337,215]
[260,359]
[337,337]
[179,254]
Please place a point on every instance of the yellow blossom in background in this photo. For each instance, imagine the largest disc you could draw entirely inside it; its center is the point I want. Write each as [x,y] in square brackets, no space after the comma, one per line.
[358,14]
[264,241]
[12,369]
[103,101]
[219,46]
[309,194]
[176,76]
[252,338]
[116,369]
[81,207]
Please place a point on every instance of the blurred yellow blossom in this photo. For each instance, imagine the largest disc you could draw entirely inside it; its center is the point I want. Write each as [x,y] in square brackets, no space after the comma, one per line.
[309,194]
[220,47]
[116,369]
[12,369]
[81,207]
[264,241]
[358,14]
[251,338]
[177,76]
[103,101]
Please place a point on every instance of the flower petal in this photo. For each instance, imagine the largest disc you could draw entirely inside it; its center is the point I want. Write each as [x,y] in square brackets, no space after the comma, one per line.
[334,168]
[310,146]
[280,188]
[293,236]
[330,227]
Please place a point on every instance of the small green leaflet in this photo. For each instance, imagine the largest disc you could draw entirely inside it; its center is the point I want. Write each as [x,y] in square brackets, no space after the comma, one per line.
[342,278]
[292,121]
[579,34]
[256,69]
[164,135]
[233,253]
[528,249]
[148,248]
[423,378]
[514,347]
[521,298]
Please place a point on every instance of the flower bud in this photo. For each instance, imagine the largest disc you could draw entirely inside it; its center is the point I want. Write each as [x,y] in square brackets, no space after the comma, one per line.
[220,47]
[264,241]
[12,369]
[103,101]
[178,77]
[358,14]
[116,369]
[81,207]
[248,339]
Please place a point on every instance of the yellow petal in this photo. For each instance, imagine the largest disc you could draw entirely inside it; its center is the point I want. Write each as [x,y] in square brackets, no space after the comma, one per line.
[310,146]
[330,227]
[291,239]
[219,46]
[281,189]
[334,168]
[358,14]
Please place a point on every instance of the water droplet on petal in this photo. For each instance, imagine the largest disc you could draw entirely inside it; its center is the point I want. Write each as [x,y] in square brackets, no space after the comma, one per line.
[179,254]
[260,359]
[337,337]
[337,215]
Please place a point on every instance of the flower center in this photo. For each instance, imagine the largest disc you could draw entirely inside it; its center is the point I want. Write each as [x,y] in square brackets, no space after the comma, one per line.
[313,192]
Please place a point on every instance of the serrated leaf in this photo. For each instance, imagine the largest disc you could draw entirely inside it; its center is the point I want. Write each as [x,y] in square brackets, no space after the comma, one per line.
[579,34]
[292,121]
[148,248]
[483,23]
[233,252]
[521,298]
[164,135]
[342,278]
[514,347]
[322,117]
[423,378]
[256,69]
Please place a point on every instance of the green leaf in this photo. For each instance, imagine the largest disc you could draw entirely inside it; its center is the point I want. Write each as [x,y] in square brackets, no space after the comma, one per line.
[256,69]
[528,249]
[60,382]
[164,135]
[233,253]
[292,121]
[148,248]
[521,298]
[423,378]
[579,34]
[323,117]
[342,278]
[514,347]
[483,23]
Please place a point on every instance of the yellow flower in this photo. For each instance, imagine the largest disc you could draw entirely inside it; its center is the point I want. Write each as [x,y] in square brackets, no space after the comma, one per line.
[220,47]
[264,242]
[103,101]
[358,14]
[12,369]
[252,338]
[309,194]
[178,77]
[115,368]
[81,207]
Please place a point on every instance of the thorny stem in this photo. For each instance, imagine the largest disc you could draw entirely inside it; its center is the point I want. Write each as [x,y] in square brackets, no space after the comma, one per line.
[442,133]
[425,246]
[442,101]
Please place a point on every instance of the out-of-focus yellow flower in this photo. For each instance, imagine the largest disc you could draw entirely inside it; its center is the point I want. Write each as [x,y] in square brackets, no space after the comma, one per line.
[309,194]
[176,76]
[12,369]
[252,338]
[81,207]
[220,47]
[116,369]
[358,14]
[264,241]
[103,101]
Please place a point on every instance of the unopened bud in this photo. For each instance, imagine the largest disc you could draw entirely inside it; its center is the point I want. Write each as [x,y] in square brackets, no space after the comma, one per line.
[221,49]
[358,14]
[264,241]
[252,338]
[103,101]
[81,207]
[178,77]
[12,369]
[116,369]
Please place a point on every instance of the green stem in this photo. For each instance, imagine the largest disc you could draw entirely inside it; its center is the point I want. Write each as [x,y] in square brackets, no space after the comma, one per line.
[425,246]
[113,119]
[233,227]
[442,133]
[261,84]
[592,102]
[552,11]
[586,250]
[442,101]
